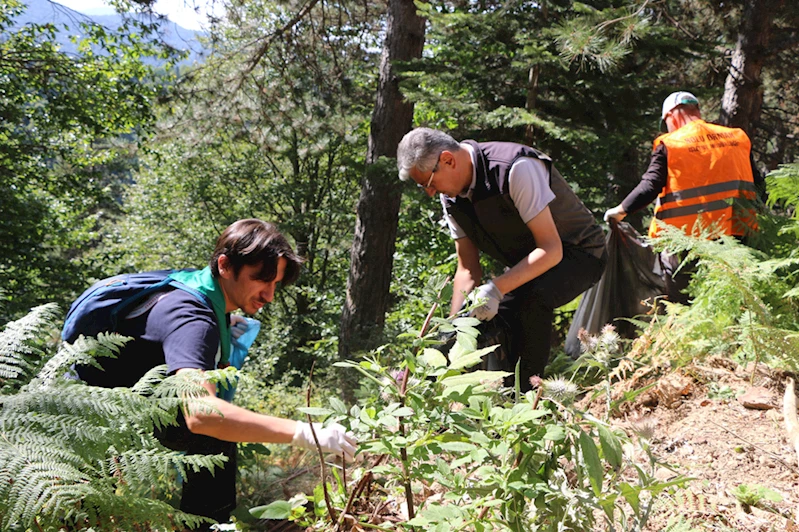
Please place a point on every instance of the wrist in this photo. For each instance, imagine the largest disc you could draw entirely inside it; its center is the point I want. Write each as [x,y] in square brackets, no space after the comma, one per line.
[497,288]
[299,433]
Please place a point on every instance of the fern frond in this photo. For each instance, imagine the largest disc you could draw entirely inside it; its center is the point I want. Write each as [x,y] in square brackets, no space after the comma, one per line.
[78,399]
[187,387]
[143,465]
[188,384]
[84,352]
[147,384]
[25,426]
[19,353]
[84,457]
[783,187]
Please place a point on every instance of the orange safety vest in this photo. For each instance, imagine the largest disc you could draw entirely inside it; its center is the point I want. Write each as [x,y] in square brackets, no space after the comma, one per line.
[709,180]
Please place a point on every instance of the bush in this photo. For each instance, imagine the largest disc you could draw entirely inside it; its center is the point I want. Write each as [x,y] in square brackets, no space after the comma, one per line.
[445,447]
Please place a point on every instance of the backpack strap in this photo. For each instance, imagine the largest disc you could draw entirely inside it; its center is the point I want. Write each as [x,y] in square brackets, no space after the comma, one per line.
[126,306]
[203,285]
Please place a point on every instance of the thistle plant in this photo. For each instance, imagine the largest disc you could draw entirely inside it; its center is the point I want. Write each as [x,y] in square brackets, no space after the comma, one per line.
[601,353]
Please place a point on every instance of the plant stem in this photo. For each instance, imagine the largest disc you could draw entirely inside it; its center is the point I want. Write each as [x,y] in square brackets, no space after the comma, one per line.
[754,348]
[330,510]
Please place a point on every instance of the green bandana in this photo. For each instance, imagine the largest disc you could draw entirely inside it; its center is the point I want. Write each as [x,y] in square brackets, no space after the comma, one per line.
[203,281]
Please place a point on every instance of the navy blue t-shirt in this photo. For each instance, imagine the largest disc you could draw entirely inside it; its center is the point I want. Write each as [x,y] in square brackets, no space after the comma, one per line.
[173,328]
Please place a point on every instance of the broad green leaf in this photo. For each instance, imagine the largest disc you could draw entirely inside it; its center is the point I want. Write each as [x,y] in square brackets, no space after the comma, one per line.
[475,377]
[611,446]
[592,463]
[491,503]
[388,421]
[608,504]
[338,405]
[527,415]
[433,358]
[469,343]
[485,471]
[470,358]
[273,510]
[471,331]
[555,433]
[458,447]
[465,322]
[630,494]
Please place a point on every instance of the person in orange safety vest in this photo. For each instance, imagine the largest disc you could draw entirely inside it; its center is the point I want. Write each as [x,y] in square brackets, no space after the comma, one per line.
[701,175]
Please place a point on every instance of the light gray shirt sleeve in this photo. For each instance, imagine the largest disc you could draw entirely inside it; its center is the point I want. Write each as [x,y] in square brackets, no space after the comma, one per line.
[529,187]
[455,230]
[529,190]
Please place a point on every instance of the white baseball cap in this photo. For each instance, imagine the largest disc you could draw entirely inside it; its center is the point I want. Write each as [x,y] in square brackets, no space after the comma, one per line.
[677,98]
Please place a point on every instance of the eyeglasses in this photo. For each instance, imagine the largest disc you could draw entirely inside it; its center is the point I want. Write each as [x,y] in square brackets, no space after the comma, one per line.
[429,181]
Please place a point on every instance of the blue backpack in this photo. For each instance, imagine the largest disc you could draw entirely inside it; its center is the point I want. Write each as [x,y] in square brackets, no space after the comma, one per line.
[103,304]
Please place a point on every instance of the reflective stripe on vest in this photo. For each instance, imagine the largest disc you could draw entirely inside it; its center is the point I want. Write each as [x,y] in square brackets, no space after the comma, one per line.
[694,209]
[709,180]
[706,190]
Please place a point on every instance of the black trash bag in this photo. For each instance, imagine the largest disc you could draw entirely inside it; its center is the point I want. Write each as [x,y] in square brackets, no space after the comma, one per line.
[632,275]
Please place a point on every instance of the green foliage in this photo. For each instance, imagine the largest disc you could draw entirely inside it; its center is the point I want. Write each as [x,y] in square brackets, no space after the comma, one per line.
[755,495]
[274,130]
[497,459]
[680,524]
[577,80]
[68,121]
[741,305]
[80,456]
[720,391]
[783,187]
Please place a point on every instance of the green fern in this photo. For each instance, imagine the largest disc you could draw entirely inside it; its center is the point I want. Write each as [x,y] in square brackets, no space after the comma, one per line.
[84,456]
[679,524]
[21,351]
[783,188]
[742,302]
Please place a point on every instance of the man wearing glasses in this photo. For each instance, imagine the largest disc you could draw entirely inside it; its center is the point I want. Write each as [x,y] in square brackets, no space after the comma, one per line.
[507,200]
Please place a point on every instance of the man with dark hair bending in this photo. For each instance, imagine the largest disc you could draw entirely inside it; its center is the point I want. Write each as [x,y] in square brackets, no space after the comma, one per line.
[175,328]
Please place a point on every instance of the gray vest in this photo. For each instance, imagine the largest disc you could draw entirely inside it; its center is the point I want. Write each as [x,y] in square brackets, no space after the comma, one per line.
[492,222]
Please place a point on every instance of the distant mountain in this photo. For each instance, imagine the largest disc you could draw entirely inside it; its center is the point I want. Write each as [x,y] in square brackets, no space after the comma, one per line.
[44,11]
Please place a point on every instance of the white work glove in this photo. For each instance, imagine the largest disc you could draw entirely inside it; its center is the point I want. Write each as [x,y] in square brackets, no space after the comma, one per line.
[617,213]
[238,326]
[490,296]
[332,439]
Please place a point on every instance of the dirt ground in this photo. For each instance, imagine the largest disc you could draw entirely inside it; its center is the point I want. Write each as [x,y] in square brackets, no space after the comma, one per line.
[701,426]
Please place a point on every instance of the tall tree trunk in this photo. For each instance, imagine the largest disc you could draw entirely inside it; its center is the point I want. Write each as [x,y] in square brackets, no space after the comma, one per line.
[743,91]
[371,259]
[532,98]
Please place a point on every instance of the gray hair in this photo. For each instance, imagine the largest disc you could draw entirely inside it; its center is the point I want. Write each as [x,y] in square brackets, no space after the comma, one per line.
[420,148]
